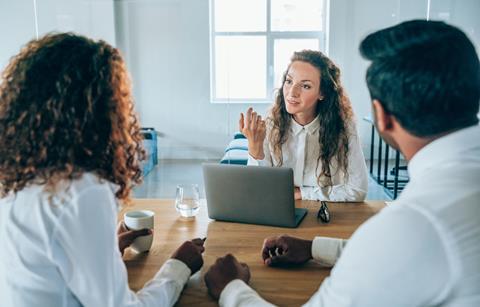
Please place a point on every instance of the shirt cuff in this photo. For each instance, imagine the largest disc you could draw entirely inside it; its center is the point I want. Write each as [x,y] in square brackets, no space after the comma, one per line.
[327,250]
[237,292]
[174,269]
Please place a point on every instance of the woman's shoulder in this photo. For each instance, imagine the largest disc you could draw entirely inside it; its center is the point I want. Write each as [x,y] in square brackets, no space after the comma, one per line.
[89,194]
[69,190]
[64,187]
[88,181]
[89,187]
[41,205]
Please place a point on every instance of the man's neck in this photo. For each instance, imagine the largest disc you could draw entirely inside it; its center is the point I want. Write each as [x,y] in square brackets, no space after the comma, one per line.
[413,145]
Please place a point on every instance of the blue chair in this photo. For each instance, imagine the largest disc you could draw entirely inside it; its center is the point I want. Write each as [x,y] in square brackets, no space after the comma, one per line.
[236,151]
[151,149]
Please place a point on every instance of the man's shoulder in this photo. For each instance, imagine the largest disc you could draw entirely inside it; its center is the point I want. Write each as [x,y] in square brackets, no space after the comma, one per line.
[442,200]
[397,218]
[390,248]
[394,230]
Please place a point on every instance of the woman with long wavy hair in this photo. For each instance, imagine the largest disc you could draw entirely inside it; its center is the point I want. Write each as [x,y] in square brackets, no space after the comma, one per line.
[310,128]
[70,148]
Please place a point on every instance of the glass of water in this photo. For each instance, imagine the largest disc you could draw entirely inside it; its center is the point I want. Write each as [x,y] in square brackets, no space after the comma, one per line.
[187,200]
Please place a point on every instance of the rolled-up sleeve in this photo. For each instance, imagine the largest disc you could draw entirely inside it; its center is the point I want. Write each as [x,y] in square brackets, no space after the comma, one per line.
[327,250]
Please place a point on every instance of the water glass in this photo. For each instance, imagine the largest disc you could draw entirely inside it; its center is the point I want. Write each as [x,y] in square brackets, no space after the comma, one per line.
[187,200]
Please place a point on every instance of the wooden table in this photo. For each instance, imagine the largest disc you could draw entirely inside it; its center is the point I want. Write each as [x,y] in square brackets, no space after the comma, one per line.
[281,286]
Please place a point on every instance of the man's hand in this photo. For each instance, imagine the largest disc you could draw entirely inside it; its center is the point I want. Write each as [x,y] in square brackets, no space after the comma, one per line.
[127,236]
[223,272]
[285,250]
[297,193]
[190,253]
[253,128]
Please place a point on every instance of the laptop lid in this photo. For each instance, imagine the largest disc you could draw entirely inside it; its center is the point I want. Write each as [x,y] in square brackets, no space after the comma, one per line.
[251,194]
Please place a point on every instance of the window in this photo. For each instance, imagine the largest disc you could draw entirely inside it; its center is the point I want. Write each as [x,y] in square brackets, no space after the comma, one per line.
[252,42]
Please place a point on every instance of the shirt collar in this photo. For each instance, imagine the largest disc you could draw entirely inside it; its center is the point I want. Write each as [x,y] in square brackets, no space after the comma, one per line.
[310,128]
[448,147]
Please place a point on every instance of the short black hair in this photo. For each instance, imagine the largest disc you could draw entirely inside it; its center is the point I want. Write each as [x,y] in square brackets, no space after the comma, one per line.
[426,74]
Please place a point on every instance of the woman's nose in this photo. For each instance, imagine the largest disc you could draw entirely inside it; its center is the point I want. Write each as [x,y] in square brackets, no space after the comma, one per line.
[294,91]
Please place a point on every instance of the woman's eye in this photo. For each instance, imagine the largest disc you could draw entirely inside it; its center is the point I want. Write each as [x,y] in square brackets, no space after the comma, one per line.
[306,86]
[288,81]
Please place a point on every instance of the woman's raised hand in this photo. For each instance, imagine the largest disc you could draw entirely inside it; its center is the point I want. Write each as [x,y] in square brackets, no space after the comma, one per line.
[253,128]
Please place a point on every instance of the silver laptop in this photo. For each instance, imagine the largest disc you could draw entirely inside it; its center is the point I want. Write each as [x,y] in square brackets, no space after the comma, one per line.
[251,194]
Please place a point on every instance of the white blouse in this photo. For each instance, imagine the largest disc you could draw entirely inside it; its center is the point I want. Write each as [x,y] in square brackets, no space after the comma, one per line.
[301,151]
[63,251]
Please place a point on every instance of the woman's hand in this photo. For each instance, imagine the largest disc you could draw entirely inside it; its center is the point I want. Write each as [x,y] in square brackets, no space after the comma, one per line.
[127,236]
[253,128]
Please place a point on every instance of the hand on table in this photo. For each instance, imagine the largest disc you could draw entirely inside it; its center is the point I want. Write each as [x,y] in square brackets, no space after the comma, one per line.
[127,236]
[253,128]
[223,272]
[285,250]
[190,253]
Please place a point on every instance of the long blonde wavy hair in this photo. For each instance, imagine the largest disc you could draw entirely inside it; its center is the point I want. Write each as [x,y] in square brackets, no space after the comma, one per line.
[335,115]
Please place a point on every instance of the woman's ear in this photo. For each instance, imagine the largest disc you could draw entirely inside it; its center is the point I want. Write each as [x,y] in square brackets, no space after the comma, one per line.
[383,120]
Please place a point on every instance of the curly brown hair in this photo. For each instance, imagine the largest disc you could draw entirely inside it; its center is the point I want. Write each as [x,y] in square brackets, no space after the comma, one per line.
[335,115]
[66,108]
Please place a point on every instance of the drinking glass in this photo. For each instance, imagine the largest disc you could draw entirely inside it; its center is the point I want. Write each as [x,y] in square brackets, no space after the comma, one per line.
[187,200]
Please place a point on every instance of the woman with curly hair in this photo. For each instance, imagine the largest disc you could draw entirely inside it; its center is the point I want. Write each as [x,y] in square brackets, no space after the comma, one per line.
[310,128]
[70,149]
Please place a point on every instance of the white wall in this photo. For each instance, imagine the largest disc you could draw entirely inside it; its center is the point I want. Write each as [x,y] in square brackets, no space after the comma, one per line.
[93,18]
[167,50]
[464,14]
[17,26]
[350,22]
[166,45]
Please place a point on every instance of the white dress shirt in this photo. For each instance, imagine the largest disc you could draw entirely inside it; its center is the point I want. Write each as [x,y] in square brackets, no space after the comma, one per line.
[301,151]
[63,251]
[422,250]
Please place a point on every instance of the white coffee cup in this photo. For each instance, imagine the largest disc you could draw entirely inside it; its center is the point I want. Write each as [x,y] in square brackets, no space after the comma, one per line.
[136,220]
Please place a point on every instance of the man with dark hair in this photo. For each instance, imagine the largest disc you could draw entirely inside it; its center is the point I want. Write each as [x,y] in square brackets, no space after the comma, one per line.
[424,249]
